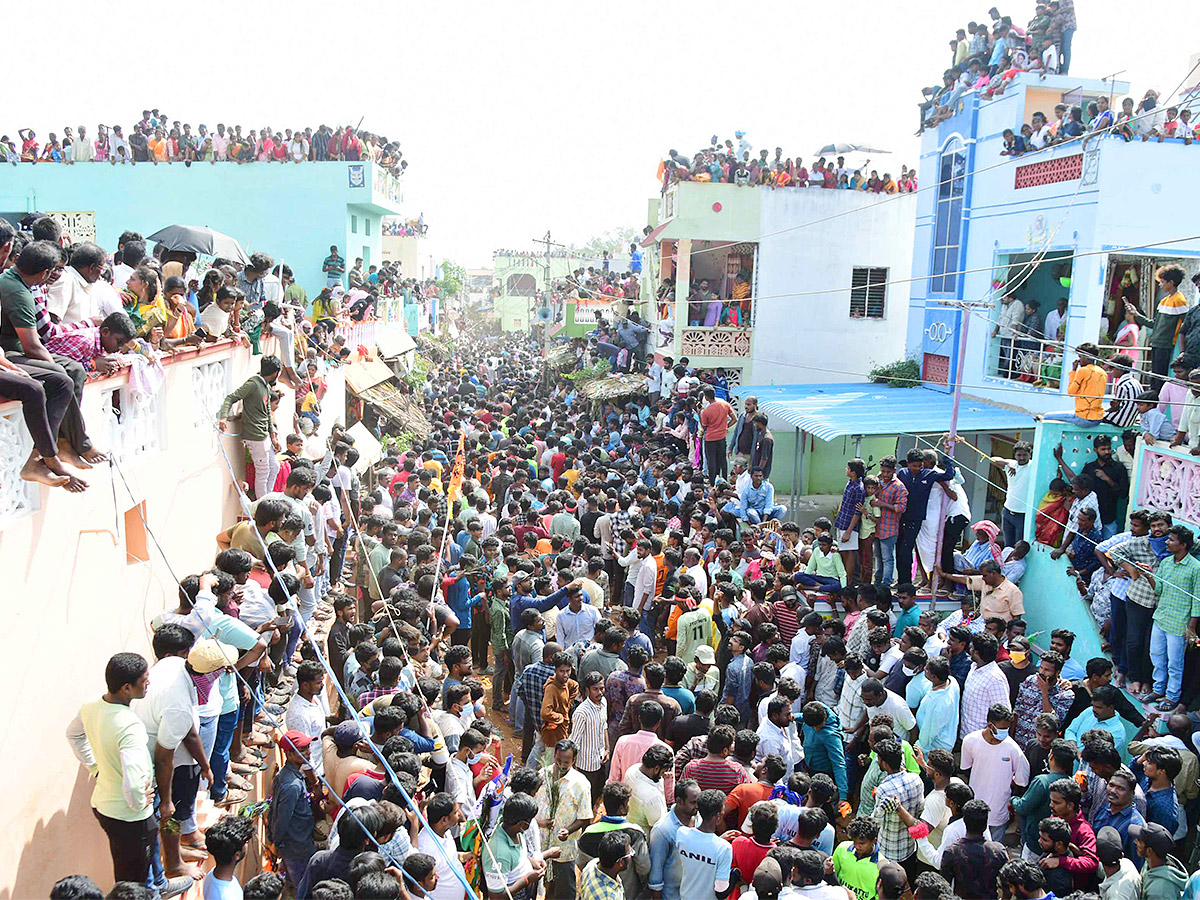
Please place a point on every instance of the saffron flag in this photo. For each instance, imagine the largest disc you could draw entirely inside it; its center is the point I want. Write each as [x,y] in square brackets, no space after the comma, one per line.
[454,491]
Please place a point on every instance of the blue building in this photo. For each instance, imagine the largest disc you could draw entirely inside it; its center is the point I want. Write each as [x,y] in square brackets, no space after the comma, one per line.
[1088,222]
[292,212]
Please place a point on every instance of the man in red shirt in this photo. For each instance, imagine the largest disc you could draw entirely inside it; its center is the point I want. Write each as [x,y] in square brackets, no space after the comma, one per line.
[715,419]
[716,771]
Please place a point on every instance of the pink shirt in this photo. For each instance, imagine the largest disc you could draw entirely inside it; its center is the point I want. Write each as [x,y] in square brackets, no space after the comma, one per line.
[628,752]
[1171,398]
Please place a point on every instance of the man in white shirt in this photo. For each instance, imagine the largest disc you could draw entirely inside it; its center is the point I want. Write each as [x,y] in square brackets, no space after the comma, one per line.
[308,710]
[70,298]
[777,734]
[645,579]
[443,814]
[118,147]
[170,713]
[82,149]
[1055,318]
[879,699]
[1010,314]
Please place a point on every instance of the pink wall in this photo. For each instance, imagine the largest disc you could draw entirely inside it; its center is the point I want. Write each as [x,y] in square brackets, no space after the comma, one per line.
[72,601]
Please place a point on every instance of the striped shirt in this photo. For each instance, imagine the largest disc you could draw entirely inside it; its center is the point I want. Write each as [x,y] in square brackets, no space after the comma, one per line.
[589,724]
[985,686]
[1122,409]
[716,774]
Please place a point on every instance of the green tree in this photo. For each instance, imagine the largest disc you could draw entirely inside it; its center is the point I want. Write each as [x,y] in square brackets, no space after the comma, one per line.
[454,277]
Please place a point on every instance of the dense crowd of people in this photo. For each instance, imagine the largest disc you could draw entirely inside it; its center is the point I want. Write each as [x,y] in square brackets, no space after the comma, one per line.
[725,163]
[156,138]
[577,648]
[411,228]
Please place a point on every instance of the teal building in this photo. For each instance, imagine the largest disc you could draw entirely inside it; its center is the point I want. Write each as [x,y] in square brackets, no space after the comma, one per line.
[290,211]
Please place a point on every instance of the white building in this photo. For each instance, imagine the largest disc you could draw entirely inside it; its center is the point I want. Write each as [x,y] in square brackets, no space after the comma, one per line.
[817,263]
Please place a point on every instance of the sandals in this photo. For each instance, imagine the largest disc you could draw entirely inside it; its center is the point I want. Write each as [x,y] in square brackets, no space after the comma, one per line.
[1167,706]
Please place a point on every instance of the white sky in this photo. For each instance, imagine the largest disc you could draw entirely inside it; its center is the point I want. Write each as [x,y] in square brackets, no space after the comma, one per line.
[519,117]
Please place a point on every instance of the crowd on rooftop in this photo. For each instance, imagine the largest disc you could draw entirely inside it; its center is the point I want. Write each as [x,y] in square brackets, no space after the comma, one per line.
[156,138]
[986,57]
[711,700]
[725,163]
[412,228]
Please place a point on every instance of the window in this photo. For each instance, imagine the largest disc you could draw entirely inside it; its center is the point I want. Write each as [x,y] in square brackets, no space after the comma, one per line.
[868,289]
[947,226]
[367,225]
[354,224]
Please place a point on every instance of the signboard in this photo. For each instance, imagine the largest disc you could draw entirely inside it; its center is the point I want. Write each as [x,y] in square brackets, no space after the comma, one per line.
[941,330]
[590,313]
[358,176]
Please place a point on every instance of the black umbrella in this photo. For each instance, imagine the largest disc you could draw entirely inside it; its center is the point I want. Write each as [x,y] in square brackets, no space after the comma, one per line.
[199,239]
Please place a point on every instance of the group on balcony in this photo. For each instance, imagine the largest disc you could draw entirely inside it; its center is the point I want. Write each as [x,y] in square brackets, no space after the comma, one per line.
[723,164]
[158,139]
[68,315]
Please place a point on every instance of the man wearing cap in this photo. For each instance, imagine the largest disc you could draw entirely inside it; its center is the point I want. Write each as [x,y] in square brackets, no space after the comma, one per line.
[702,673]
[1122,881]
[1163,876]
[295,807]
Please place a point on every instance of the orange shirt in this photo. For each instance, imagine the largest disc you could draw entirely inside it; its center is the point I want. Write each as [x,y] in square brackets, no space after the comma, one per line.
[1086,384]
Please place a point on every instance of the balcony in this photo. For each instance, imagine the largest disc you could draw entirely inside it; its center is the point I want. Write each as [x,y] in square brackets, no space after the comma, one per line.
[132,420]
[717,342]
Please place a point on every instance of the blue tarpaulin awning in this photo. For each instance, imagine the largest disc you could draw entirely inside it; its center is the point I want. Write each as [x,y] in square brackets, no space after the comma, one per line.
[829,411]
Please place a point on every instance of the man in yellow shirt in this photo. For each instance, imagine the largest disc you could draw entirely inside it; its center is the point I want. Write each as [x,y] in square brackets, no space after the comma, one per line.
[1086,384]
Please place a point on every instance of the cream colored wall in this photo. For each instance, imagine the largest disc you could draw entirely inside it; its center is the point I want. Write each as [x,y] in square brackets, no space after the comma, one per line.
[71,601]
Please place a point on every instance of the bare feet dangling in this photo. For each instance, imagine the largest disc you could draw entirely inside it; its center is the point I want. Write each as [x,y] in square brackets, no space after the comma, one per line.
[36,470]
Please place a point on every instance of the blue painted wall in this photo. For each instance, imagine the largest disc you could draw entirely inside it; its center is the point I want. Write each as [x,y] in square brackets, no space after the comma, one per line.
[1129,195]
[291,212]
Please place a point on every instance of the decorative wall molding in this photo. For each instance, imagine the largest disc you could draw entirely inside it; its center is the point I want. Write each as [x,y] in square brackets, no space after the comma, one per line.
[1050,171]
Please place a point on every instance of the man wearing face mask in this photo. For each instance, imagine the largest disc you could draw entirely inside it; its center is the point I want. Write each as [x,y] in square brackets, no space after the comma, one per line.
[993,763]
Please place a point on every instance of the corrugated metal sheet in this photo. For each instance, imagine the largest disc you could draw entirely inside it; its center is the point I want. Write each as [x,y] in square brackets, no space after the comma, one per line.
[836,410]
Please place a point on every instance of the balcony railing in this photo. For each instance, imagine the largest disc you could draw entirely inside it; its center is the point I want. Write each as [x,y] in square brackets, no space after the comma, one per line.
[717,342]
[1039,362]
[1169,480]
[1028,359]
[123,419]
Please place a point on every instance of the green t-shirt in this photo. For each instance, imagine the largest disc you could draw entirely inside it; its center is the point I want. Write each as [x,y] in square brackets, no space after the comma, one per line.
[17,309]
[506,863]
[859,875]
[118,740]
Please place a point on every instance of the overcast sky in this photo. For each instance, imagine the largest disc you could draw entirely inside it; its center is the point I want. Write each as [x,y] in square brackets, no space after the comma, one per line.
[521,117]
